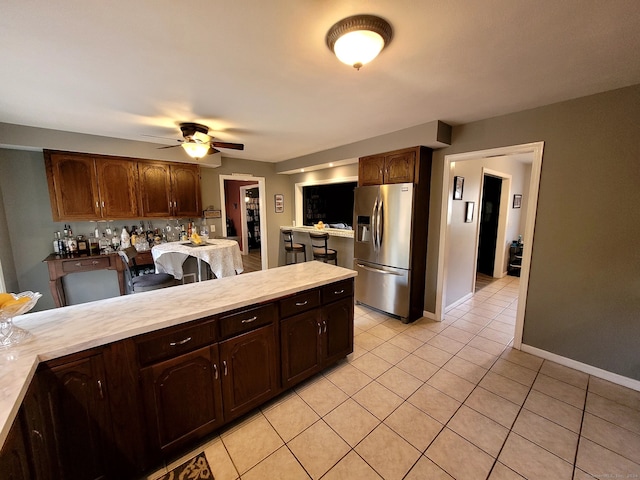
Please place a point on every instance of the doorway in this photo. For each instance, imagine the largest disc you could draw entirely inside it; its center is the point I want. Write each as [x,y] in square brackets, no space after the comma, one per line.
[262,224]
[534,152]
[250,218]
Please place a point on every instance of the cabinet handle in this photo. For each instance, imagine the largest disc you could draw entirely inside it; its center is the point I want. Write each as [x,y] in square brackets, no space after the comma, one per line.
[36,432]
[175,204]
[249,320]
[319,329]
[301,304]
[97,205]
[339,293]
[224,367]
[102,204]
[100,391]
[324,323]
[181,342]
[215,371]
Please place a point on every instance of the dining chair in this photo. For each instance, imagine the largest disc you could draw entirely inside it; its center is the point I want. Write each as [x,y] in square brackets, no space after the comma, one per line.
[320,249]
[293,248]
[142,283]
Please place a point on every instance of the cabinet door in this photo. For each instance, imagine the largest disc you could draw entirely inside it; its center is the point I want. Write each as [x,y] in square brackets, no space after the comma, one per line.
[337,329]
[78,401]
[249,370]
[182,398]
[117,181]
[14,464]
[371,170]
[185,190]
[399,168]
[73,188]
[38,432]
[300,347]
[155,189]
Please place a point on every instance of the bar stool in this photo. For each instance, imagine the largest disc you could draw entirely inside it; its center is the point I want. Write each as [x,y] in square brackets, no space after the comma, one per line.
[320,250]
[294,248]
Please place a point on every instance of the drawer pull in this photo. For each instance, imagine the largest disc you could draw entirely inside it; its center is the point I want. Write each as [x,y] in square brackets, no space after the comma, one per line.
[339,293]
[181,342]
[79,264]
[249,320]
[95,262]
[302,304]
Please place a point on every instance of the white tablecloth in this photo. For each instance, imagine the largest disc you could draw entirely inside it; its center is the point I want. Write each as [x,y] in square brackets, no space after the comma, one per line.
[223,256]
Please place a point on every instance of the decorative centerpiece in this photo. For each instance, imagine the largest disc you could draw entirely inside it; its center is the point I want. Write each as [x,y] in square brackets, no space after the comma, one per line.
[319,225]
[12,305]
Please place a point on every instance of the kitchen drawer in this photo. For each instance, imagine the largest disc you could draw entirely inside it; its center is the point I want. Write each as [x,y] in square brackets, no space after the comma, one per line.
[299,303]
[337,290]
[86,264]
[247,319]
[174,341]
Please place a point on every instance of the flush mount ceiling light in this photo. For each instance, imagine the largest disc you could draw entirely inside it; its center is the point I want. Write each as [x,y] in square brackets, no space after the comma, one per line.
[359,39]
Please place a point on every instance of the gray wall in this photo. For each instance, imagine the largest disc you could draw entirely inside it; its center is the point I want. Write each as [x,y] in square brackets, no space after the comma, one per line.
[584,289]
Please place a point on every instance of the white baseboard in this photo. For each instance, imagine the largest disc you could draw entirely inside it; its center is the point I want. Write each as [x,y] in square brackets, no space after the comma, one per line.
[429,315]
[458,302]
[583,367]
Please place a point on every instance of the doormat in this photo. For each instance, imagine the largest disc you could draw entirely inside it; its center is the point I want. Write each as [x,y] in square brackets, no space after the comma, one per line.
[195,469]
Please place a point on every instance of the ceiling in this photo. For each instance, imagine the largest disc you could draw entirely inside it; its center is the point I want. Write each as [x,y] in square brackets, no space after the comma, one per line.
[259,72]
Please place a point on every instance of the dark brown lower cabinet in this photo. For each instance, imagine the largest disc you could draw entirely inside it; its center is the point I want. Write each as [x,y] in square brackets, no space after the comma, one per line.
[249,370]
[182,398]
[312,340]
[78,404]
[14,464]
[301,346]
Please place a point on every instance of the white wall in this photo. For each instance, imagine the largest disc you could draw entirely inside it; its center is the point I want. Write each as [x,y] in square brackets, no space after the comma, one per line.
[462,237]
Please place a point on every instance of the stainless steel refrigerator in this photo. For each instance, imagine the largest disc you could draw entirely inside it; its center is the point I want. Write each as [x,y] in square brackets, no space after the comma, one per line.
[390,249]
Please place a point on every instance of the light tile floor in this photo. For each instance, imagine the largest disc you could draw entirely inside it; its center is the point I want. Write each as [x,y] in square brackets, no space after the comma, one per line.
[436,400]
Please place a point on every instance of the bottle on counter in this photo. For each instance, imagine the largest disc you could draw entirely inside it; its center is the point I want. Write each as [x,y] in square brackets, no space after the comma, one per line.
[83,246]
[56,243]
[125,239]
[115,239]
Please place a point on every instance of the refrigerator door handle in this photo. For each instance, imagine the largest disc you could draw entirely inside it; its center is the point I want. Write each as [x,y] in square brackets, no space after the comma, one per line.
[377,270]
[374,226]
[380,223]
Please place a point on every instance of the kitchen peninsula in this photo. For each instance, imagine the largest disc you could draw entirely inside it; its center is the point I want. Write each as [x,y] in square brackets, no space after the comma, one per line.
[246,338]
[340,240]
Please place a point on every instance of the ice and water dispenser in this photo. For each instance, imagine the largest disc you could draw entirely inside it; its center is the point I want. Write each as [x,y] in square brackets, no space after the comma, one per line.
[363,232]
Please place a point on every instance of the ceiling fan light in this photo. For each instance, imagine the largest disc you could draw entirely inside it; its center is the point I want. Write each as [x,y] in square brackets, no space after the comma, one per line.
[359,39]
[195,149]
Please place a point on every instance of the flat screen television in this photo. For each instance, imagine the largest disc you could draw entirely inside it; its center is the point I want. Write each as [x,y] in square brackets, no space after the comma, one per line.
[330,203]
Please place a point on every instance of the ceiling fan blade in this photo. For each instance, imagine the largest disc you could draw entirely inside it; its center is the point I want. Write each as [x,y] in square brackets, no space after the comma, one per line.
[170,146]
[232,146]
[212,150]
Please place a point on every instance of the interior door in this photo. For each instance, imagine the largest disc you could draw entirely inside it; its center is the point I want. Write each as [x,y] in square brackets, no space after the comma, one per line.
[489,216]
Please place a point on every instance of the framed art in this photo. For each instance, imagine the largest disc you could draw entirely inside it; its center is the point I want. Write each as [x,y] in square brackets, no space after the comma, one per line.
[458,186]
[517,201]
[213,214]
[279,199]
[468,218]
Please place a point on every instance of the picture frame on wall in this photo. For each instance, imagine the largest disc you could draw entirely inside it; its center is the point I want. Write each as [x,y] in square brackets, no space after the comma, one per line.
[470,207]
[279,201]
[458,186]
[517,201]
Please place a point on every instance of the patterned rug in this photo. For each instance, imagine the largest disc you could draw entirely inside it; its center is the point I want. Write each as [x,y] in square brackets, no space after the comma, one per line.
[195,469]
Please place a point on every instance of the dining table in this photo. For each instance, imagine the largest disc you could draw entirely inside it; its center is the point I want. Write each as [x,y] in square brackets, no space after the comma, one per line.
[222,255]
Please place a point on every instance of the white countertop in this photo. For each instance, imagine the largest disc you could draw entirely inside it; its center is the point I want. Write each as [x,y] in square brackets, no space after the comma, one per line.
[67,330]
[336,232]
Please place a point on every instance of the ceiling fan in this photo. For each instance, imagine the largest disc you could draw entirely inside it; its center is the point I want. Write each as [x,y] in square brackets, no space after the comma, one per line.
[198,143]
